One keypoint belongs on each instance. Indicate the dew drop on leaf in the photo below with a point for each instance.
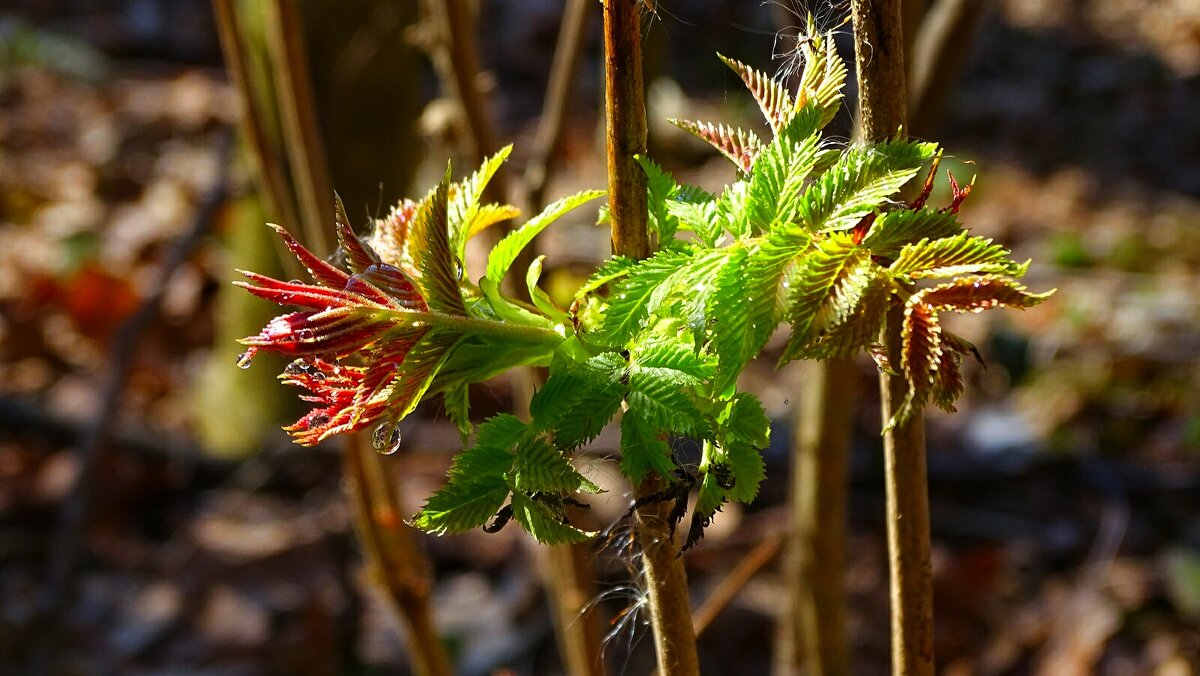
(243, 360)
(386, 438)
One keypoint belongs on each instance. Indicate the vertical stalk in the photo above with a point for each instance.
(393, 554)
(879, 45)
(625, 136)
(817, 631)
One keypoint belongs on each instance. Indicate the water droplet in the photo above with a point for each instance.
(785, 402)
(295, 281)
(458, 270)
(295, 368)
(243, 360)
(386, 438)
(306, 335)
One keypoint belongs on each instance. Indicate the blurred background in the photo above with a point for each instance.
(154, 519)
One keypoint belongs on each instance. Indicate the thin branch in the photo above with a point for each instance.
(395, 558)
(298, 114)
(563, 69)
(735, 581)
(625, 136)
(879, 45)
(938, 56)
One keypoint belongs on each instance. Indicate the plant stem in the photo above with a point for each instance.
(625, 127)
(879, 44)
(818, 502)
(392, 553)
(625, 136)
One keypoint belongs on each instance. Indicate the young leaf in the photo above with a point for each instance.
(856, 319)
(430, 247)
(613, 269)
(542, 300)
(859, 181)
(358, 256)
(464, 208)
(642, 451)
(894, 229)
(772, 97)
(950, 256)
(627, 306)
(824, 74)
(824, 288)
(503, 254)
(920, 352)
(476, 488)
(542, 468)
(740, 146)
(780, 171)
(457, 403)
(544, 524)
(978, 293)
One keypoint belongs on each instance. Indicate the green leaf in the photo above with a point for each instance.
(542, 300)
(476, 488)
(457, 401)
(502, 256)
(613, 269)
(749, 470)
(627, 306)
(660, 188)
(542, 468)
(430, 246)
(780, 171)
(856, 319)
(664, 398)
(700, 217)
(825, 287)
(862, 178)
(744, 420)
(672, 356)
(464, 205)
(642, 451)
(894, 229)
(417, 371)
(950, 256)
(544, 524)
(509, 311)
(824, 75)
(579, 399)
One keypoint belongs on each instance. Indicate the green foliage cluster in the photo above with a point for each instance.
(809, 235)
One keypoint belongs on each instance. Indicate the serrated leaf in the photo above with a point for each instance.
(894, 229)
(430, 246)
(709, 499)
(487, 216)
(920, 352)
(457, 403)
(948, 384)
(611, 270)
(642, 451)
(475, 489)
(824, 289)
(749, 470)
(359, 257)
(579, 399)
(660, 397)
(700, 217)
(859, 181)
(503, 254)
(740, 146)
(824, 75)
(627, 306)
(543, 524)
(855, 320)
(772, 96)
(542, 468)
(978, 293)
(660, 188)
(744, 420)
(464, 202)
(673, 356)
(950, 256)
(780, 171)
(415, 374)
